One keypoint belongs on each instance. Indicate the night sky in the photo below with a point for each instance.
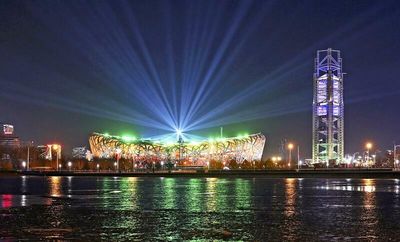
(69, 68)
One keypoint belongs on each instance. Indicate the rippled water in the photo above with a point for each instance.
(257, 209)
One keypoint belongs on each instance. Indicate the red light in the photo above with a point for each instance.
(6, 200)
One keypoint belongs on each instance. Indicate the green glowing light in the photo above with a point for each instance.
(242, 136)
(107, 134)
(127, 138)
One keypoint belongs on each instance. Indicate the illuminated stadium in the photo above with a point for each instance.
(240, 148)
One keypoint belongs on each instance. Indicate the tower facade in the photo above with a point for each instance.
(328, 108)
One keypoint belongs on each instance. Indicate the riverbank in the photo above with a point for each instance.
(9, 173)
(321, 173)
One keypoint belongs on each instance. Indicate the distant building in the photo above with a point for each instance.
(81, 153)
(50, 151)
(328, 108)
(7, 137)
(44, 152)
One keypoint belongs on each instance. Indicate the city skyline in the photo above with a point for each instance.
(66, 74)
(199, 120)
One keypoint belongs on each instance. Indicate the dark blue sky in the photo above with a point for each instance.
(69, 68)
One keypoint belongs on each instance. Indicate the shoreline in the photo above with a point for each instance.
(327, 173)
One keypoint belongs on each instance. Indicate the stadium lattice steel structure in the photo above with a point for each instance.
(248, 147)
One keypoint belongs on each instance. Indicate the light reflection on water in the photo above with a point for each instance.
(369, 216)
(211, 194)
(169, 193)
(290, 195)
(362, 185)
(201, 208)
(55, 186)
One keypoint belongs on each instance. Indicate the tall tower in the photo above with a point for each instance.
(328, 108)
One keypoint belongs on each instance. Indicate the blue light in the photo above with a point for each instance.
(183, 81)
(179, 132)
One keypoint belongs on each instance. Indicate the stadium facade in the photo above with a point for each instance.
(241, 148)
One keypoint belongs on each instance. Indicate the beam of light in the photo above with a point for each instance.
(138, 75)
(164, 137)
(270, 84)
(152, 76)
(153, 70)
(206, 87)
(192, 137)
(172, 137)
(170, 53)
(21, 93)
(178, 132)
(192, 68)
(45, 99)
(265, 83)
(159, 110)
(282, 106)
(216, 75)
(156, 95)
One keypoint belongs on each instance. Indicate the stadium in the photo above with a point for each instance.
(241, 148)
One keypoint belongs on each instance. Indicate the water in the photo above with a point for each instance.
(201, 209)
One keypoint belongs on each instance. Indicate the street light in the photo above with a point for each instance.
(27, 156)
(300, 163)
(24, 164)
(69, 165)
(290, 147)
(57, 148)
(368, 146)
(298, 158)
(274, 160)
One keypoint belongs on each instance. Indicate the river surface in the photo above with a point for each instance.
(199, 209)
